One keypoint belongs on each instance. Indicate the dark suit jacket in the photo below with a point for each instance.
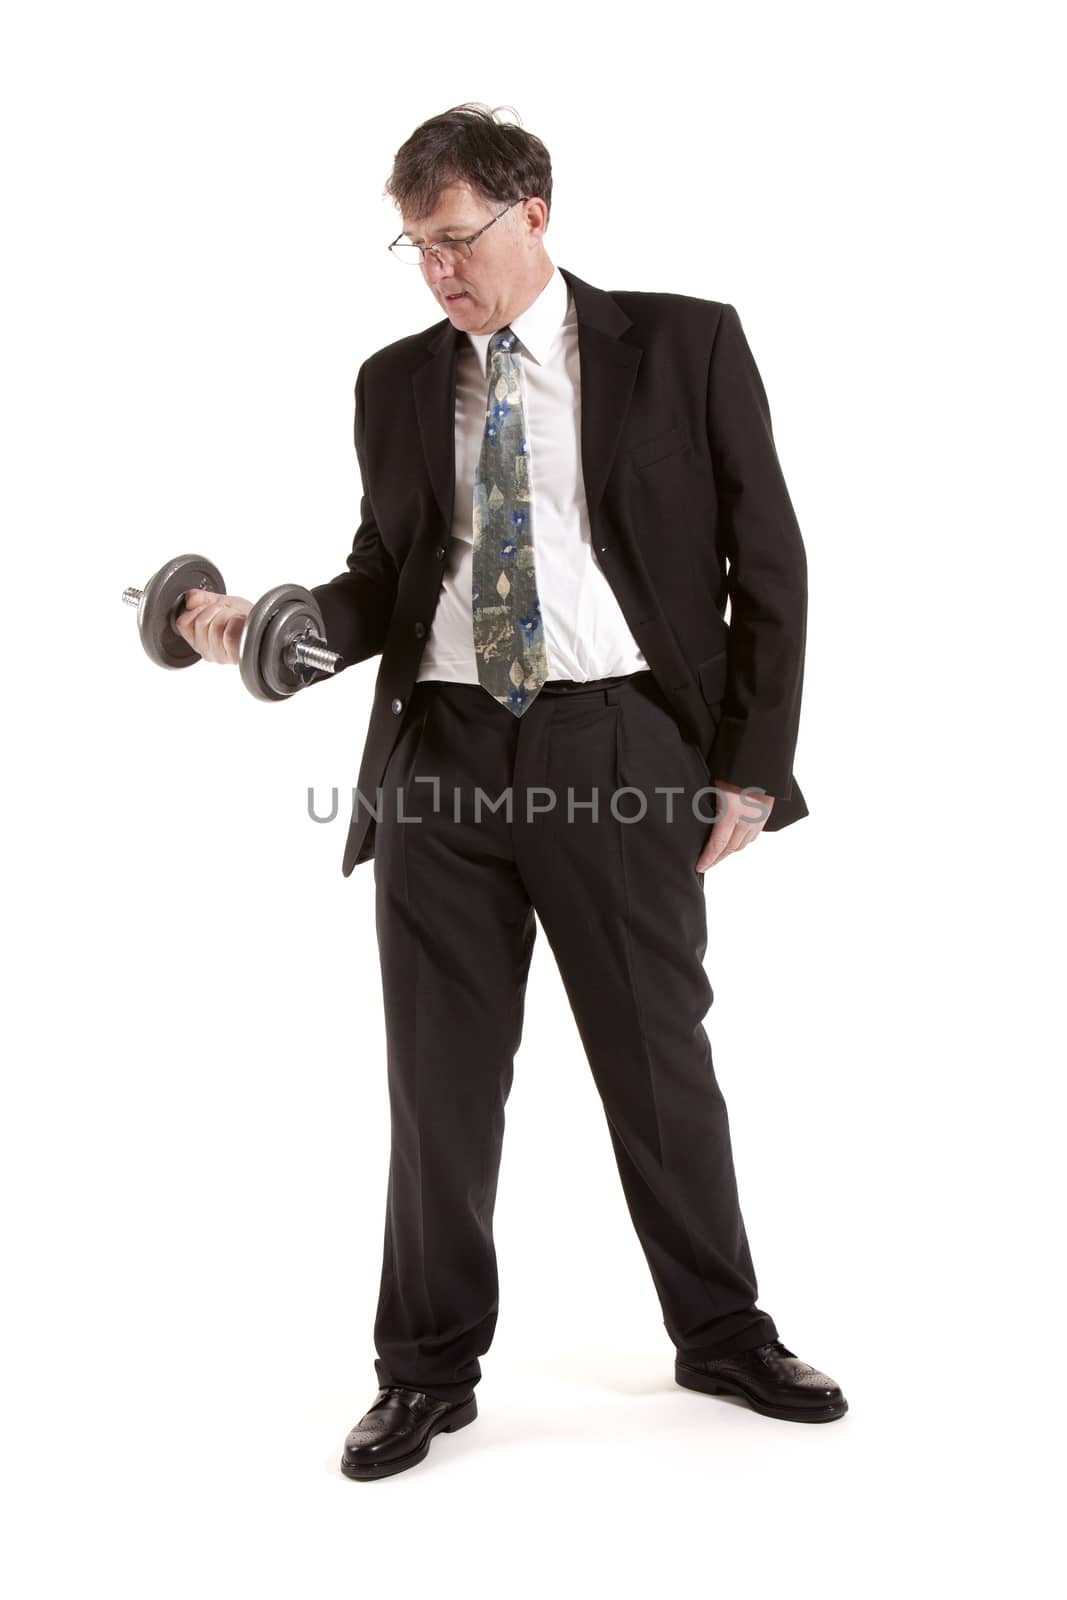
(687, 507)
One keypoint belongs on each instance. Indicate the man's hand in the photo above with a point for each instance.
(735, 826)
(212, 624)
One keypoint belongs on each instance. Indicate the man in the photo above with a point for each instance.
(562, 489)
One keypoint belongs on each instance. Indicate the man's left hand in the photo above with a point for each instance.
(737, 823)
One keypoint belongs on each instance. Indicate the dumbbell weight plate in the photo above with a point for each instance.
(274, 623)
(161, 602)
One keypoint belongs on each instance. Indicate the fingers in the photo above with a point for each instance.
(212, 625)
(720, 843)
(195, 622)
(730, 834)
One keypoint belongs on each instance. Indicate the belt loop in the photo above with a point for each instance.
(611, 696)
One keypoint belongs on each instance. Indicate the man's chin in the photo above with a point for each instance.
(463, 314)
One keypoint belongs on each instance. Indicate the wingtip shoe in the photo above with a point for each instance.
(396, 1431)
(770, 1378)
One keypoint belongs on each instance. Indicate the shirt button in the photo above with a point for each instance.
(398, 706)
(420, 629)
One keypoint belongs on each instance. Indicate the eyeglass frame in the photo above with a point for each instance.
(469, 242)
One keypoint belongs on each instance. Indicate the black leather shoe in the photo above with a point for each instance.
(772, 1381)
(396, 1432)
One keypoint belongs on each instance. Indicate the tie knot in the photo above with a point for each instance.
(504, 340)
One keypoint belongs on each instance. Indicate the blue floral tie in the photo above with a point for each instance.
(509, 638)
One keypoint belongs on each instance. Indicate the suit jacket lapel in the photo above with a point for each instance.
(608, 373)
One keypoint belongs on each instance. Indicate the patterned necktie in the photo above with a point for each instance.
(509, 637)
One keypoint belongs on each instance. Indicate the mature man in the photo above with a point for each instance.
(562, 489)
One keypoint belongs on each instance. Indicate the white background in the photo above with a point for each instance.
(195, 1122)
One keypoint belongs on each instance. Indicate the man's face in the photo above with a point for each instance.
(481, 293)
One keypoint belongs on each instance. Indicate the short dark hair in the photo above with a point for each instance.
(467, 143)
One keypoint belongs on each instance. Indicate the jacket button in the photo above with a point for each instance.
(440, 552)
(603, 547)
(420, 629)
(398, 706)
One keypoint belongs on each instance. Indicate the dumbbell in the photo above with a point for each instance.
(281, 642)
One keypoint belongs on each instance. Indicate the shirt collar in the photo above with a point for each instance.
(536, 327)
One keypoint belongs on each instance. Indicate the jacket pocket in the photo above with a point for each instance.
(664, 444)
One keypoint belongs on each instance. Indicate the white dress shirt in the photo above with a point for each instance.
(586, 634)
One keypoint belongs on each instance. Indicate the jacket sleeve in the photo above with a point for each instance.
(766, 575)
(358, 604)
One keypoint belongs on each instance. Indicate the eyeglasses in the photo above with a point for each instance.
(449, 251)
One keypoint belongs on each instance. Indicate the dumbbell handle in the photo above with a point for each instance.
(309, 652)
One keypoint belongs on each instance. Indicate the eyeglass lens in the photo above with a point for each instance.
(450, 251)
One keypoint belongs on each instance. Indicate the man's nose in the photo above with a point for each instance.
(434, 267)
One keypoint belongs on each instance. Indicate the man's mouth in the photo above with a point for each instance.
(452, 297)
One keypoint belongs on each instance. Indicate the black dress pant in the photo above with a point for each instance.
(458, 879)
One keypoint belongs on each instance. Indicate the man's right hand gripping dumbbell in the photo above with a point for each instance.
(211, 624)
(184, 615)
